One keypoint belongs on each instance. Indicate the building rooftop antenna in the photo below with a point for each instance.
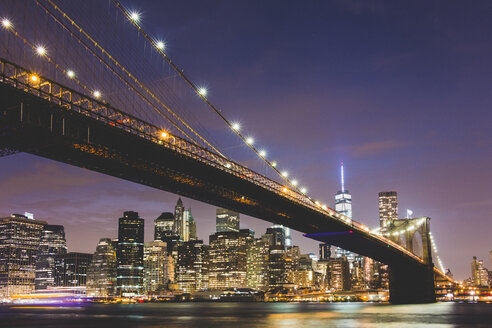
(343, 181)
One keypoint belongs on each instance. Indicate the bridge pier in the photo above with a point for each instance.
(410, 284)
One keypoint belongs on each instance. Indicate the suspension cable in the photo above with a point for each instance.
(131, 76)
(195, 88)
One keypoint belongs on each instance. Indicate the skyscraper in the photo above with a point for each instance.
(189, 226)
(287, 237)
(192, 266)
(274, 236)
(101, 274)
(130, 254)
(164, 226)
(226, 220)
(19, 242)
(343, 199)
(165, 230)
(178, 218)
(480, 275)
(343, 205)
(227, 259)
(71, 269)
(52, 243)
(277, 266)
(388, 207)
(257, 264)
(324, 251)
(157, 265)
(339, 274)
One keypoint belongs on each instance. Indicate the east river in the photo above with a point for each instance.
(251, 315)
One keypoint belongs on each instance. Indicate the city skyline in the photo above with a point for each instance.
(149, 232)
(397, 140)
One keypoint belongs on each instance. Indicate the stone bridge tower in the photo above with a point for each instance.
(409, 284)
(403, 231)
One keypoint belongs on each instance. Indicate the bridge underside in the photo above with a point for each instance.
(33, 125)
(409, 282)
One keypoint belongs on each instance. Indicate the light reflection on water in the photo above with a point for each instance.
(251, 315)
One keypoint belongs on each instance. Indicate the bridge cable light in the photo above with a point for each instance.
(6, 23)
(236, 126)
(97, 94)
(202, 91)
(41, 50)
(161, 45)
(250, 140)
(70, 74)
(135, 16)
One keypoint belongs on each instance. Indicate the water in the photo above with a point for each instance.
(251, 315)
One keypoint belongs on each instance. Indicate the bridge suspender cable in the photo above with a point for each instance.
(48, 58)
(200, 92)
(97, 45)
(434, 248)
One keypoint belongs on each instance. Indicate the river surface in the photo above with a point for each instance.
(251, 315)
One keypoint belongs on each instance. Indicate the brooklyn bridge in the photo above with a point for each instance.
(50, 110)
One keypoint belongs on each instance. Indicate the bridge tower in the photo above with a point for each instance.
(410, 284)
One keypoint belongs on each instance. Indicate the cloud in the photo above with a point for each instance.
(369, 148)
(476, 204)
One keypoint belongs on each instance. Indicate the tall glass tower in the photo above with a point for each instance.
(343, 199)
(130, 254)
(226, 220)
(343, 205)
(52, 243)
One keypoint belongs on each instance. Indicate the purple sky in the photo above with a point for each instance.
(399, 91)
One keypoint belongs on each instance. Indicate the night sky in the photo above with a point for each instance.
(398, 91)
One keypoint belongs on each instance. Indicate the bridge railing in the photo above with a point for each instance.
(30, 82)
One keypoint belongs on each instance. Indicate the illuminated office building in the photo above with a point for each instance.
(277, 266)
(101, 274)
(227, 259)
(192, 266)
(388, 207)
(157, 267)
(19, 242)
(287, 239)
(52, 243)
(71, 269)
(339, 274)
(480, 274)
(226, 220)
(274, 236)
(129, 255)
(324, 251)
(178, 219)
(189, 226)
(257, 265)
(164, 226)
